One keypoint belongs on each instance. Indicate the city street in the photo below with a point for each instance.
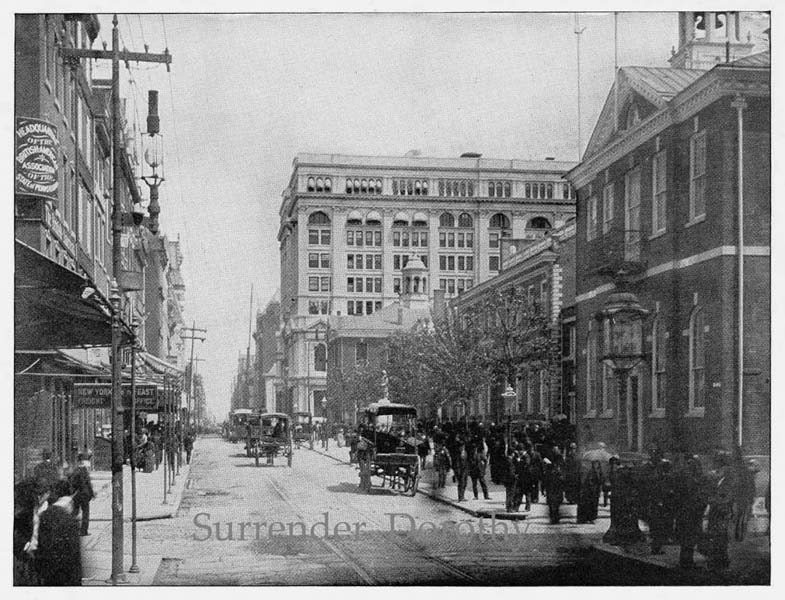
(225, 489)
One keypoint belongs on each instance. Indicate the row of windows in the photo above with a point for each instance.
(452, 286)
(448, 220)
(364, 261)
(409, 187)
(363, 186)
(465, 220)
(317, 184)
(401, 260)
(319, 237)
(457, 188)
(416, 238)
(318, 307)
(452, 262)
(370, 284)
(363, 237)
(359, 307)
(499, 189)
(659, 195)
(534, 392)
(453, 240)
(319, 284)
(318, 261)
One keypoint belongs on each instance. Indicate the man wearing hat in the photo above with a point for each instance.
(82, 490)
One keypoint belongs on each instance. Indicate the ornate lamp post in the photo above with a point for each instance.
(621, 319)
(154, 158)
(509, 396)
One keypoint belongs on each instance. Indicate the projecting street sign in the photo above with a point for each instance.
(99, 395)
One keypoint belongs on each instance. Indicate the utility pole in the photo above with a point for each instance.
(118, 456)
(194, 330)
(197, 407)
(248, 354)
(578, 32)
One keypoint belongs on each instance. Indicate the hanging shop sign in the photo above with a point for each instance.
(99, 395)
(36, 163)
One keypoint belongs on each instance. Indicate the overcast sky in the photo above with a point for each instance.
(248, 92)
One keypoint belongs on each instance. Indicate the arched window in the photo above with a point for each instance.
(417, 188)
(441, 187)
(420, 220)
(565, 191)
(446, 220)
(364, 186)
(320, 358)
(311, 184)
(401, 220)
(499, 190)
(528, 190)
(378, 186)
(658, 356)
(465, 220)
(535, 191)
(373, 218)
(424, 188)
(499, 221)
(395, 187)
(539, 223)
(697, 360)
(549, 191)
(507, 190)
(319, 184)
(463, 188)
(357, 186)
(471, 189)
(318, 218)
(542, 190)
(328, 185)
(349, 186)
(409, 188)
(456, 188)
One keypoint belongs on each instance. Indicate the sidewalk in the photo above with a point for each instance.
(750, 559)
(97, 547)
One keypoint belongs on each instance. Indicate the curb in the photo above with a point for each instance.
(477, 513)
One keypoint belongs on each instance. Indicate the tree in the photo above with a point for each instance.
(351, 388)
(408, 381)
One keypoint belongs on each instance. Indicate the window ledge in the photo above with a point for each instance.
(654, 236)
(658, 413)
(590, 414)
(695, 221)
(607, 414)
(695, 412)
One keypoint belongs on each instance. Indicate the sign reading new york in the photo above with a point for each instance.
(35, 172)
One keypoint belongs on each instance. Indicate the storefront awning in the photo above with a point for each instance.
(159, 365)
(49, 311)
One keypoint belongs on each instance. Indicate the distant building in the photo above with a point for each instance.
(658, 191)
(267, 325)
(349, 225)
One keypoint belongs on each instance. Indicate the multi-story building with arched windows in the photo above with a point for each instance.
(349, 225)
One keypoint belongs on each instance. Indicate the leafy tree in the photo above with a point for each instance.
(352, 388)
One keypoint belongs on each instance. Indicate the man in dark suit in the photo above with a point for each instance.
(82, 490)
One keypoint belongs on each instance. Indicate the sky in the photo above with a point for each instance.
(247, 92)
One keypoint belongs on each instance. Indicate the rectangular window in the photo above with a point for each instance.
(358, 307)
(358, 284)
(450, 263)
(377, 285)
(368, 307)
(325, 237)
(350, 238)
(369, 238)
(632, 216)
(461, 286)
(313, 307)
(442, 262)
(369, 284)
(451, 240)
(659, 194)
(442, 239)
(607, 208)
(697, 360)
(470, 240)
(377, 305)
(377, 238)
(450, 286)
(350, 284)
(358, 238)
(461, 240)
(350, 261)
(358, 261)
(405, 239)
(313, 260)
(313, 284)
(350, 307)
(469, 284)
(493, 263)
(591, 218)
(442, 284)
(313, 237)
(324, 306)
(396, 262)
(396, 285)
(698, 175)
(325, 284)
(324, 259)
(461, 263)
(658, 351)
(415, 239)
(493, 240)
(377, 262)
(423, 239)
(396, 238)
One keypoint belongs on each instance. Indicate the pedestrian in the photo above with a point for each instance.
(423, 449)
(511, 479)
(723, 491)
(478, 463)
(572, 475)
(554, 484)
(45, 473)
(441, 464)
(188, 444)
(692, 498)
(589, 494)
(460, 467)
(522, 478)
(82, 489)
(58, 550)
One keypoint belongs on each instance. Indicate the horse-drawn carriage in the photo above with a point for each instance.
(303, 429)
(269, 435)
(387, 447)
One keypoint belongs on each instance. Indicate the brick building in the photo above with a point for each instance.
(658, 197)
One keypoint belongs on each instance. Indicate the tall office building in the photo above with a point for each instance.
(349, 224)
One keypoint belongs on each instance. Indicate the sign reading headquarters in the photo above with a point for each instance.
(36, 158)
(99, 395)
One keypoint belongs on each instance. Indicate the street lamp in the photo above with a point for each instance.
(621, 320)
(509, 395)
(154, 158)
